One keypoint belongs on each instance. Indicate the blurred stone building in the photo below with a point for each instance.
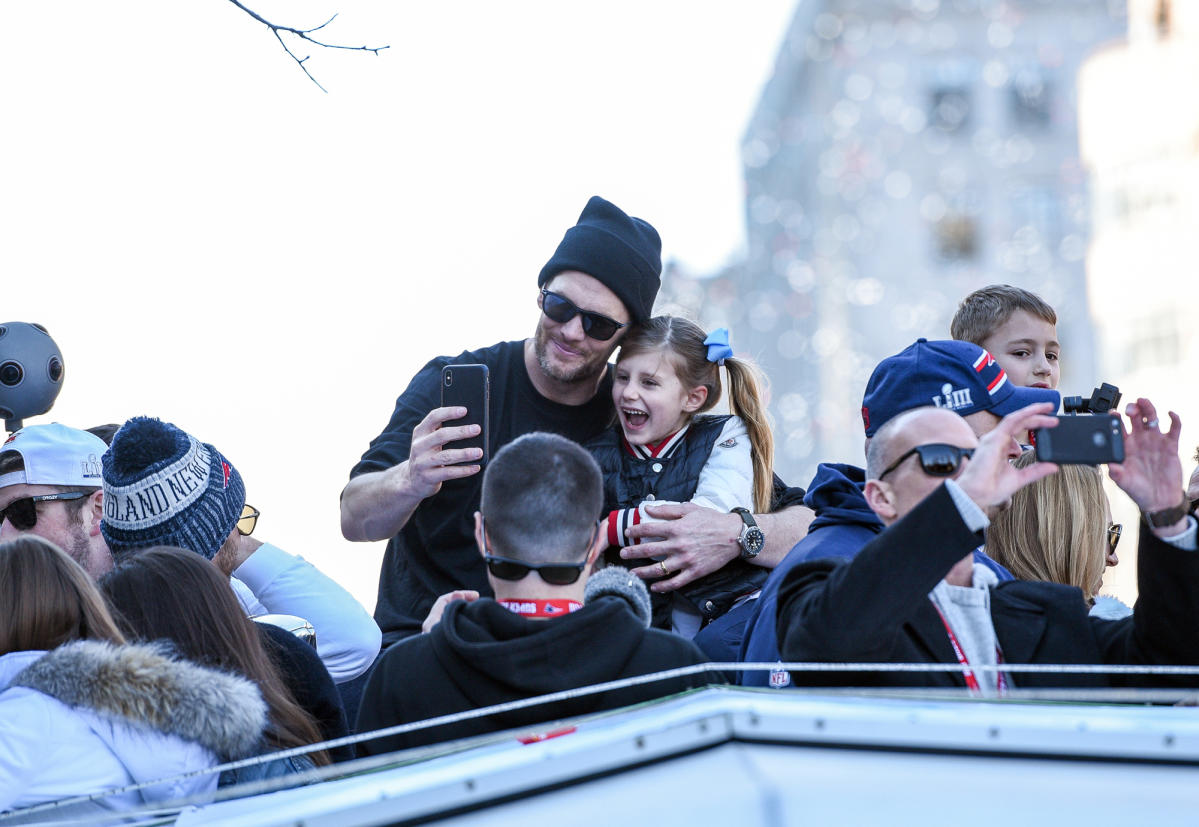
(1139, 130)
(904, 153)
(1139, 134)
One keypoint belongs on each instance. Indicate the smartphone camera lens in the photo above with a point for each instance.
(449, 378)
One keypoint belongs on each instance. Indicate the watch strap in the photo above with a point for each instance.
(1167, 516)
(746, 516)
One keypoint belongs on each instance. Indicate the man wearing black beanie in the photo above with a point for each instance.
(409, 487)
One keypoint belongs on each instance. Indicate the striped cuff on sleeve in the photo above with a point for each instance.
(619, 522)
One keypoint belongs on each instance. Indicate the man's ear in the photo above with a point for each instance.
(598, 545)
(696, 397)
(93, 512)
(881, 499)
(480, 540)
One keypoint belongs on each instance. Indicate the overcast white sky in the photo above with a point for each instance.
(212, 240)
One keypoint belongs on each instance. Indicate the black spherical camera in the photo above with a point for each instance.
(1103, 399)
(31, 372)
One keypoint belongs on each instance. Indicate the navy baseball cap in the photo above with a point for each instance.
(959, 376)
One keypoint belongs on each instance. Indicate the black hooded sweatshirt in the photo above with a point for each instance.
(482, 654)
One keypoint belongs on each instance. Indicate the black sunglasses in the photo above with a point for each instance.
(562, 310)
(1114, 530)
(556, 574)
(22, 513)
(937, 459)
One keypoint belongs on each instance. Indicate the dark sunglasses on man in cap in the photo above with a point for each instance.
(561, 310)
(22, 513)
(936, 459)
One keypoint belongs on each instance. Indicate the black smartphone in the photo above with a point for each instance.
(1083, 439)
(469, 387)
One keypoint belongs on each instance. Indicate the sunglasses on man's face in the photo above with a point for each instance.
(936, 459)
(22, 513)
(561, 310)
(556, 574)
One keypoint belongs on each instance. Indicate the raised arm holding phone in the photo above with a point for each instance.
(907, 597)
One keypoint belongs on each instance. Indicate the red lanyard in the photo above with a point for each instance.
(968, 674)
(541, 608)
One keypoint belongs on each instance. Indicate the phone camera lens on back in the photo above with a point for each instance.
(449, 378)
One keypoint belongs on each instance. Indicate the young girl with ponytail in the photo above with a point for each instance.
(666, 449)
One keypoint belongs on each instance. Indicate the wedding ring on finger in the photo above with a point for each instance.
(662, 565)
(1152, 423)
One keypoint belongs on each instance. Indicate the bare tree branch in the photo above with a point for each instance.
(304, 34)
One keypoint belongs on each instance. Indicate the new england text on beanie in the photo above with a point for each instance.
(162, 486)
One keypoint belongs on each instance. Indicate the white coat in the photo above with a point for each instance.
(89, 717)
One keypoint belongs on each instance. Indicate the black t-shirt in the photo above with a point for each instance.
(435, 551)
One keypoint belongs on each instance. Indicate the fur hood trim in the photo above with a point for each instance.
(142, 686)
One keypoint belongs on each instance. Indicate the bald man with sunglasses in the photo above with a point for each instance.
(417, 488)
(551, 626)
(915, 594)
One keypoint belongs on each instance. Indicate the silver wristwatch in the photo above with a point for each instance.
(752, 537)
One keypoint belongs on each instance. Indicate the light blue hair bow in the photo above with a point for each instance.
(720, 347)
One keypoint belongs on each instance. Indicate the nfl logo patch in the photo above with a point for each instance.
(779, 678)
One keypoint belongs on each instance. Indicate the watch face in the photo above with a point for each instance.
(752, 540)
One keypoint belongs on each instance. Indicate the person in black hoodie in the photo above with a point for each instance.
(548, 628)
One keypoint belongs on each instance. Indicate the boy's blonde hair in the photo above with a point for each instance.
(982, 312)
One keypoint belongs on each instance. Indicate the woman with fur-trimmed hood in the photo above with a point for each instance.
(83, 712)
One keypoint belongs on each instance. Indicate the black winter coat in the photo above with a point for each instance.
(875, 608)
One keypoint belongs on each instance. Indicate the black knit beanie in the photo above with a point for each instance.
(623, 253)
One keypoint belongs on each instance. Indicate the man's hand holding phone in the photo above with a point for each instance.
(431, 461)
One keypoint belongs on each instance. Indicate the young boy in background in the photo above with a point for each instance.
(1017, 327)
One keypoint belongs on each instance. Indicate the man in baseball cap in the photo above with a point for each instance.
(957, 376)
(50, 485)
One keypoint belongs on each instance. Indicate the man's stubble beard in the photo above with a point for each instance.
(79, 549)
(586, 372)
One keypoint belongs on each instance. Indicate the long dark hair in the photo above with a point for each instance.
(683, 340)
(48, 599)
(169, 593)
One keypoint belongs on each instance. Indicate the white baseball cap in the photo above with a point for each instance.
(55, 455)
